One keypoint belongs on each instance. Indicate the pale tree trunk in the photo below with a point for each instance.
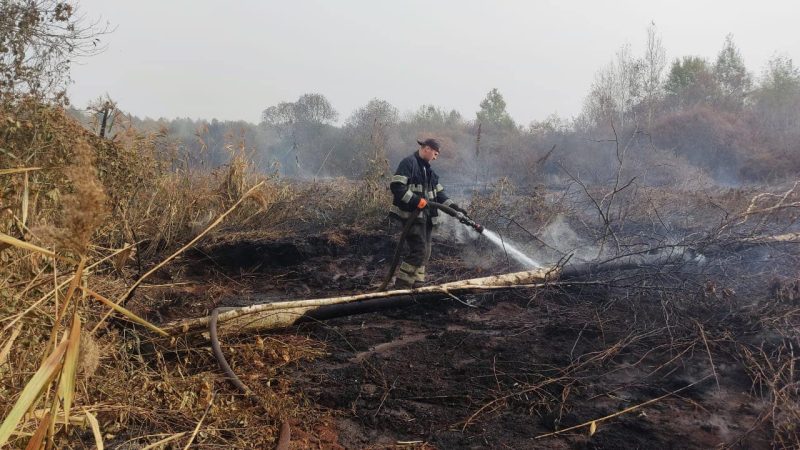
(283, 314)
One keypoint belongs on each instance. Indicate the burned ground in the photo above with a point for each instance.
(498, 376)
(693, 352)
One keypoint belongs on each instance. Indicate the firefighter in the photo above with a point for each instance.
(413, 185)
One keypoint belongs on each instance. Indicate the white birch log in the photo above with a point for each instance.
(283, 314)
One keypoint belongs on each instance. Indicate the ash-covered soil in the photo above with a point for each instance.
(488, 371)
(496, 376)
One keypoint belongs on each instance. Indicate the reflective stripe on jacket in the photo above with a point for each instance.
(413, 180)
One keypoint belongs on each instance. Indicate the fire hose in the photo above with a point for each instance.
(285, 431)
(463, 218)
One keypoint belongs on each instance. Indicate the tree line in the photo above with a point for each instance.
(693, 118)
(690, 119)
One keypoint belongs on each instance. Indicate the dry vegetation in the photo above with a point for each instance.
(82, 219)
(673, 288)
(85, 220)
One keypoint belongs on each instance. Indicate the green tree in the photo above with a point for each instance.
(430, 116)
(730, 72)
(691, 81)
(781, 76)
(777, 100)
(493, 111)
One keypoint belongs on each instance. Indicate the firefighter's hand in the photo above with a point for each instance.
(460, 216)
(422, 203)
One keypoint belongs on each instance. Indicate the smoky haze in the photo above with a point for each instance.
(346, 92)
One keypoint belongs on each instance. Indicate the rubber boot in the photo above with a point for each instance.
(402, 284)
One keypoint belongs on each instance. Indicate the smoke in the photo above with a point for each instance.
(452, 230)
(511, 250)
(561, 237)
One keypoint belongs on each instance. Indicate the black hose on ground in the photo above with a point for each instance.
(285, 433)
(409, 222)
(223, 363)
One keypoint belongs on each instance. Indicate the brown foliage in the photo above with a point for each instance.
(711, 139)
(89, 194)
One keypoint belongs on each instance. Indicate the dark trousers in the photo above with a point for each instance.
(412, 270)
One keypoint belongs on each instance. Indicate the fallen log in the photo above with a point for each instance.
(284, 314)
(786, 237)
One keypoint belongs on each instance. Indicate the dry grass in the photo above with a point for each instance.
(76, 213)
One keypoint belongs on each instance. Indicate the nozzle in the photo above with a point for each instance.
(463, 218)
(467, 221)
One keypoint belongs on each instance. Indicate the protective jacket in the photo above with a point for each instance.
(413, 180)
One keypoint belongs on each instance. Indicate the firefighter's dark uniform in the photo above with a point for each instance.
(413, 180)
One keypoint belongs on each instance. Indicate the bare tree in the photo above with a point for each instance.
(617, 89)
(309, 108)
(627, 88)
(104, 111)
(655, 61)
(370, 129)
(38, 41)
(302, 123)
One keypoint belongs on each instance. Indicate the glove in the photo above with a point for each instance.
(458, 209)
(460, 216)
(422, 203)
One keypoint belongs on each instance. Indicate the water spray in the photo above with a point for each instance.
(512, 251)
(463, 218)
(494, 238)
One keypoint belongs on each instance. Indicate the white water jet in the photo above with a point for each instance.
(511, 251)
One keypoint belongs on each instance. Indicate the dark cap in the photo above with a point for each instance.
(432, 143)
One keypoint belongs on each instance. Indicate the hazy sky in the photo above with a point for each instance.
(231, 59)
